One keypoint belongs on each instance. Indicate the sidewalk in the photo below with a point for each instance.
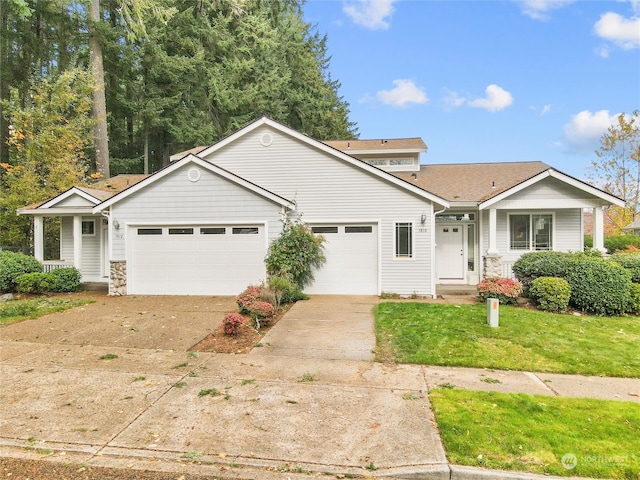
(285, 407)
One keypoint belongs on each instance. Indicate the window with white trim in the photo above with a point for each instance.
(88, 227)
(404, 240)
(531, 231)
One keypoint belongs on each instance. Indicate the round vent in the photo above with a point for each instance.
(193, 174)
(266, 139)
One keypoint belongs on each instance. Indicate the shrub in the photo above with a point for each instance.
(630, 261)
(248, 298)
(35, 283)
(284, 290)
(262, 310)
(12, 265)
(66, 280)
(506, 290)
(619, 243)
(599, 286)
(634, 299)
(295, 254)
(551, 294)
(231, 323)
(533, 265)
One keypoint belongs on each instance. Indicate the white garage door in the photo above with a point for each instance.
(195, 260)
(352, 260)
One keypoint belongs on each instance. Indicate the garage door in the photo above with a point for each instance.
(352, 260)
(195, 260)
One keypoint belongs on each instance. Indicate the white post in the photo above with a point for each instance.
(493, 229)
(38, 238)
(598, 229)
(77, 242)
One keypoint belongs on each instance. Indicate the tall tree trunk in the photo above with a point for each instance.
(99, 102)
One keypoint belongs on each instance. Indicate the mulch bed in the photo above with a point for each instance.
(246, 338)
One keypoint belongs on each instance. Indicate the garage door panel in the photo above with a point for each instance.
(215, 263)
(352, 260)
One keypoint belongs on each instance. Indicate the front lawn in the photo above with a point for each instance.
(529, 340)
(14, 311)
(539, 434)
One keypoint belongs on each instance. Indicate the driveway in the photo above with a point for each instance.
(112, 384)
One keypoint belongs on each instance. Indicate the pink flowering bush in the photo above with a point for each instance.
(231, 323)
(506, 290)
(247, 298)
(262, 310)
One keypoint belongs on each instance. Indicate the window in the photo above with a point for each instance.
(88, 227)
(181, 231)
(213, 231)
(359, 229)
(149, 231)
(531, 232)
(404, 240)
(245, 230)
(324, 229)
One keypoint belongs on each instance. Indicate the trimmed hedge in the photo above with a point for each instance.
(12, 265)
(533, 265)
(634, 302)
(66, 279)
(599, 286)
(630, 261)
(621, 242)
(506, 290)
(35, 283)
(551, 294)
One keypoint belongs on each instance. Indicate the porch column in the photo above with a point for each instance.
(38, 238)
(598, 229)
(493, 229)
(77, 242)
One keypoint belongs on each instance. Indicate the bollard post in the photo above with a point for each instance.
(493, 312)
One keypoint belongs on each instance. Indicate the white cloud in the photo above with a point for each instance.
(546, 109)
(584, 130)
(541, 9)
(373, 14)
(496, 99)
(452, 99)
(623, 32)
(405, 92)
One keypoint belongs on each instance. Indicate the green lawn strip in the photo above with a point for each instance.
(533, 433)
(530, 340)
(14, 311)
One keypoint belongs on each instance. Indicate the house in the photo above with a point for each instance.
(633, 228)
(203, 224)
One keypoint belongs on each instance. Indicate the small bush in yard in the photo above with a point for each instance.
(12, 265)
(231, 323)
(599, 286)
(66, 280)
(35, 283)
(533, 265)
(506, 290)
(262, 310)
(551, 294)
(248, 298)
(630, 261)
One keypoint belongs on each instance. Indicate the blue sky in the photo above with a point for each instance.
(486, 81)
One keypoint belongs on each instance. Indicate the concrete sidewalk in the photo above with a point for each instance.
(299, 403)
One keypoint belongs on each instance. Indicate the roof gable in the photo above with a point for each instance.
(318, 145)
(204, 164)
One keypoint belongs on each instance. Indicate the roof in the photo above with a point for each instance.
(384, 144)
(472, 182)
(193, 151)
(635, 225)
(118, 183)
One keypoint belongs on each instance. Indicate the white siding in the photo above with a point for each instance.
(549, 193)
(91, 256)
(175, 200)
(327, 189)
(74, 201)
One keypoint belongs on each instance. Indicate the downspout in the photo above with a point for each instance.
(433, 251)
(107, 215)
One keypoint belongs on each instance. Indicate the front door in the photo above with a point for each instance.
(450, 252)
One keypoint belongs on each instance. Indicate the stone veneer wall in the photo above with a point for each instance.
(492, 266)
(118, 278)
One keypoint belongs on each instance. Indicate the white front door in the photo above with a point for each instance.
(450, 252)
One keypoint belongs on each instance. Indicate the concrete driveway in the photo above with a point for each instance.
(112, 383)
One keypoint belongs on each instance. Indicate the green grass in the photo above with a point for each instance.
(14, 311)
(529, 340)
(533, 433)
